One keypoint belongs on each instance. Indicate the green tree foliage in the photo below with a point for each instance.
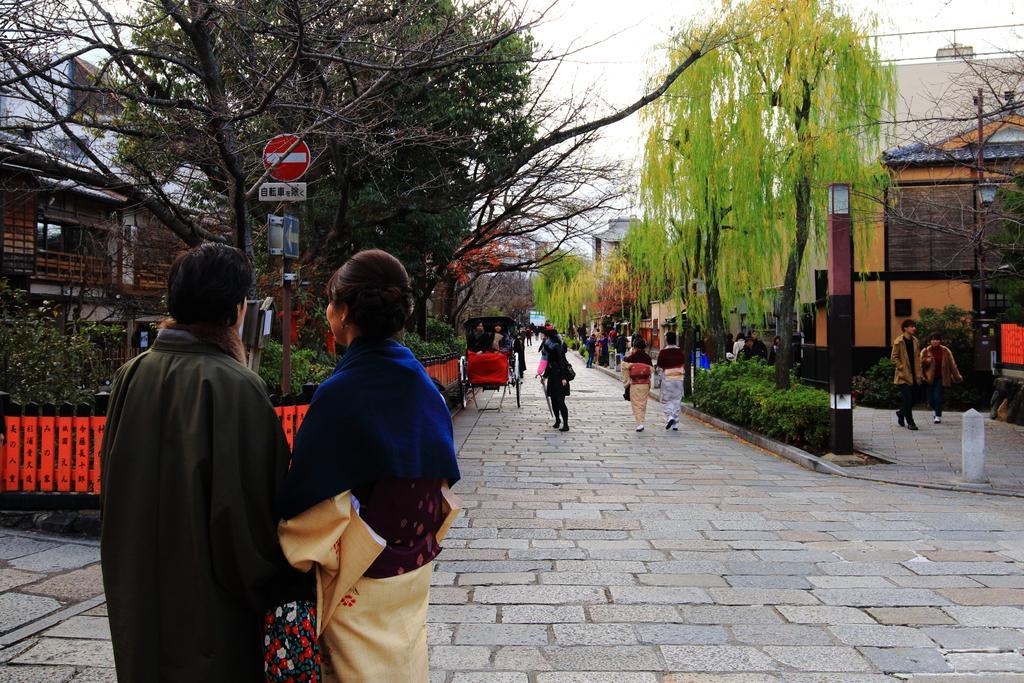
(562, 287)
(749, 148)
(1010, 242)
(40, 363)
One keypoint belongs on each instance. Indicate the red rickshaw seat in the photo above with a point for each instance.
(487, 368)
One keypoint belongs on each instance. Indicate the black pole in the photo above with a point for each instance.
(840, 320)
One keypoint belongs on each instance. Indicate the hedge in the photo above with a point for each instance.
(744, 393)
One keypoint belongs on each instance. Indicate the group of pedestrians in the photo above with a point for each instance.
(221, 560)
(750, 347)
(933, 368)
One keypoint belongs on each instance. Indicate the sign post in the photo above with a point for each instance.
(840, 319)
(286, 158)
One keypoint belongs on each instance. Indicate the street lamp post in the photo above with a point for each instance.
(985, 195)
(840, 319)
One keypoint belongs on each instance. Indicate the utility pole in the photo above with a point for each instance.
(979, 253)
(840, 319)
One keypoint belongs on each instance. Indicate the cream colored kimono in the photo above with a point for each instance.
(371, 630)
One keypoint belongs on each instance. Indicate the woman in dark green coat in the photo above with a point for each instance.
(193, 455)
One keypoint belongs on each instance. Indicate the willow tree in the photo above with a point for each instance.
(794, 103)
(562, 287)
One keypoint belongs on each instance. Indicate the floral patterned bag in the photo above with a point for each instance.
(291, 653)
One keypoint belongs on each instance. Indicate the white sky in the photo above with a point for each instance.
(626, 33)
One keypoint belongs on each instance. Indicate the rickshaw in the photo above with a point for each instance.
(485, 369)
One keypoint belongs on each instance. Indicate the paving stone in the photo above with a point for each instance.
(772, 568)
(597, 677)
(849, 582)
(12, 578)
(459, 657)
(96, 628)
(915, 581)
(490, 677)
(966, 678)
(68, 652)
(518, 658)
(462, 614)
(594, 634)
(824, 615)
(95, 676)
(440, 634)
(695, 580)
(916, 616)
(501, 634)
(542, 614)
(761, 596)
(681, 634)
(986, 661)
(541, 595)
(673, 595)
(57, 559)
(722, 614)
(999, 617)
(633, 613)
(36, 674)
(879, 597)
(778, 581)
(729, 658)
(818, 658)
(19, 546)
(587, 579)
(863, 569)
(796, 556)
(977, 638)
(961, 568)
(17, 609)
(880, 636)
(984, 596)
(788, 634)
(907, 660)
(604, 658)
(496, 579)
(720, 678)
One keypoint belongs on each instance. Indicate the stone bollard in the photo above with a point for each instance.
(972, 447)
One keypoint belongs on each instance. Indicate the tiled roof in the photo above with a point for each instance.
(920, 153)
(616, 231)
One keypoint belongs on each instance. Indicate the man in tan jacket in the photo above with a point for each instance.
(906, 355)
(940, 372)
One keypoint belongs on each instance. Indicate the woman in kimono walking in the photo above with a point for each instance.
(636, 372)
(366, 502)
(672, 363)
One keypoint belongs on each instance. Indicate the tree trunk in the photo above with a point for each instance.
(784, 359)
(688, 341)
(716, 317)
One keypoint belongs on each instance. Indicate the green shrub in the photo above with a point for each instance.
(40, 362)
(875, 388)
(308, 367)
(744, 393)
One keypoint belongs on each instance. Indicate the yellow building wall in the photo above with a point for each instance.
(930, 294)
(869, 314)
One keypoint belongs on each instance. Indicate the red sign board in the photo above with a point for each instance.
(286, 157)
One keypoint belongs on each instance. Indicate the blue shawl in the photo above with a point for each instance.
(379, 416)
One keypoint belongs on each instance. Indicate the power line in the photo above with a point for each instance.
(949, 30)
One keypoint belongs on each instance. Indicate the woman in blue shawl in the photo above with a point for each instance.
(367, 502)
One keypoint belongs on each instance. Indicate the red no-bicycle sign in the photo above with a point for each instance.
(291, 159)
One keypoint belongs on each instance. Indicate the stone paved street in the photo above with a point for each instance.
(605, 556)
(932, 454)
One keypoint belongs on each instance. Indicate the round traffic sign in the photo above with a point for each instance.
(286, 157)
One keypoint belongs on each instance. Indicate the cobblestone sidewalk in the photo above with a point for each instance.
(605, 556)
(932, 454)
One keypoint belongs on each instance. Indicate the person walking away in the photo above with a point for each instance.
(602, 350)
(940, 372)
(529, 336)
(906, 356)
(621, 348)
(672, 362)
(636, 372)
(367, 501)
(519, 347)
(591, 350)
(760, 350)
(774, 351)
(192, 457)
(738, 345)
(556, 378)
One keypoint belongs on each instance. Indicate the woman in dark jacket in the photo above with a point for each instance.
(557, 385)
